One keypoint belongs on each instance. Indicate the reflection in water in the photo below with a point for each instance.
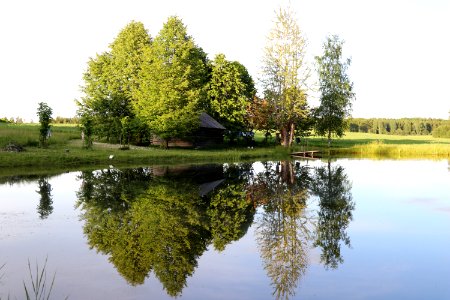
(333, 188)
(45, 207)
(162, 219)
(284, 228)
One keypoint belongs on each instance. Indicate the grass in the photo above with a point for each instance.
(65, 150)
(381, 145)
(27, 135)
(71, 155)
(39, 288)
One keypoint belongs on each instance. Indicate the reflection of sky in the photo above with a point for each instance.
(400, 236)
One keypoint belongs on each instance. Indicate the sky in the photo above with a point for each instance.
(400, 49)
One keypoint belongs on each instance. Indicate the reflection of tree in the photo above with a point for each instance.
(161, 220)
(333, 188)
(284, 228)
(105, 197)
(231, 214)
(161, 223)
(45, 207)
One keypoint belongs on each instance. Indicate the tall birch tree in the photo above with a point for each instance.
(336, 90)
(285, 73)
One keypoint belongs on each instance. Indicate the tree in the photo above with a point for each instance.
(86, 126)
(336, 90)
(230, 91)
(44, 113)
(261, 116)
(172, 82)
(285, 74)
(110, 80)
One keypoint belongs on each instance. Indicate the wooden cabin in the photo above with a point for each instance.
(209, 133)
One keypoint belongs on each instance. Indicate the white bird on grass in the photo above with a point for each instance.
(111, 156)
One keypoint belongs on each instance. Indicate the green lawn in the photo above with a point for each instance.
(383, 145)
(65, 150)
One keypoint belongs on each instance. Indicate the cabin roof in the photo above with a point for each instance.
(206, 121)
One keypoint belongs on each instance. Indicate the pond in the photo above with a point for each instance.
(311, 229)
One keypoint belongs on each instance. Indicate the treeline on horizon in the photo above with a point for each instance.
(57, 120)
(402, 126)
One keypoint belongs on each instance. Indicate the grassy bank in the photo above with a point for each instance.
(72, 155)
(384, 146)
(65, 151)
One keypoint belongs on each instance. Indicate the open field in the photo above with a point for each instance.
(65, 150)
(382, 145)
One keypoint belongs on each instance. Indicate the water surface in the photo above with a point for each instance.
(346, 229)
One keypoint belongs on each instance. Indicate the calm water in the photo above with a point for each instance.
(346, 229)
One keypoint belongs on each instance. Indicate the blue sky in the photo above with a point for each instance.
(399, 48)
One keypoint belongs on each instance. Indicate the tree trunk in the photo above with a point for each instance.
(284, 136)
(291, 135)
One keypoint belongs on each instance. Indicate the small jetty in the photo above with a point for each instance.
(307, 154)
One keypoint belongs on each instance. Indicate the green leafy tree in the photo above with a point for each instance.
(285, 73)
(231, 89)
(336, 90)
(172, 83)
(87, 127)
(44, 113)
(110, 80)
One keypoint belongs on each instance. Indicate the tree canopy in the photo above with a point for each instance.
(285, 73)
(44, 112)
(336, 90)
(230, 92)
(110, 80)
(172, 82)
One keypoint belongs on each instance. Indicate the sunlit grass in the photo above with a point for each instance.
(27, 135)
(383, 145)
(65, 149)
(72, 154)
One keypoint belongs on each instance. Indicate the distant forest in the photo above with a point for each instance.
(404, 126)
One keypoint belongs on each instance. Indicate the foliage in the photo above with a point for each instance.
(110, 81)
(172, 82)
(442, 131)
(336, 90)
(261, 116)
(285, 74)
(403, 126)
(44, 113)
(230, 91)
